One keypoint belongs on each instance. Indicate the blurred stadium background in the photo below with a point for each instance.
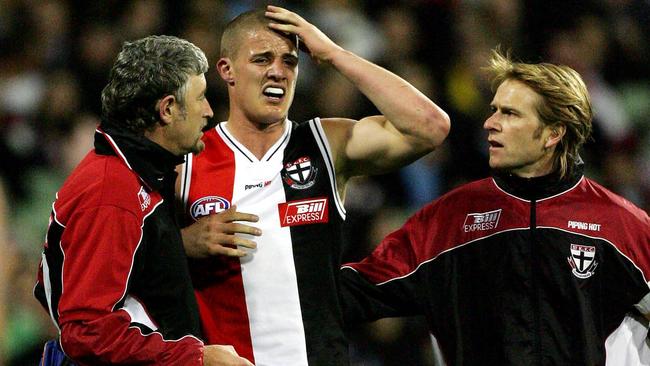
(55, 56)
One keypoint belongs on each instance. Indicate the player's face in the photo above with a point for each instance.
(265, 69)
(190, 120)
(516, 135)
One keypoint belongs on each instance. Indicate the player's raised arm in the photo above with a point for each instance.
(410, 126)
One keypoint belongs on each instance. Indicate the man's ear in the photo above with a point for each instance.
(554, 138)
(165, 109)
(224, 67)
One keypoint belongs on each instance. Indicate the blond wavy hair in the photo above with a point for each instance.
(565, 102)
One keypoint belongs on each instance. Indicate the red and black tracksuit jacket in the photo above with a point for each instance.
(514, 271)
(113, 274)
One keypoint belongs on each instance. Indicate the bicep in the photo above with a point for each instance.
(370, 146)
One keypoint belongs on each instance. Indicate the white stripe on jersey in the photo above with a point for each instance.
(323, 145)
(269, 276)
(186, 178)
(138, 313)
(47, 284)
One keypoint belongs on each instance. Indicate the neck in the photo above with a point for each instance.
(158, 136)
(257, 137)
(541, 168)
(535, 187)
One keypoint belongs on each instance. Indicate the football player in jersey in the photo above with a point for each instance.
(278, 304)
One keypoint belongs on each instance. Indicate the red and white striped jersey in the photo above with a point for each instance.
(278, 305)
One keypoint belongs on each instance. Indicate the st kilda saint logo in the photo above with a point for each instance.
(300, 174)
(582, 260)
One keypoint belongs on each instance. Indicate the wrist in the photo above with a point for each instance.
(336, 56)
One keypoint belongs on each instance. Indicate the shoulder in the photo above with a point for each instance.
(466, 197)
(335, 132)
(470, 192)
(336, 127)
(101, 180)
(216, 148)
(212, 136)
(608, 201)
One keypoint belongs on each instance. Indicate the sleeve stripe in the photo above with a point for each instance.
(323, 145)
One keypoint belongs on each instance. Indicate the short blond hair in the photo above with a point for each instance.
(236, 30)
(565, 102)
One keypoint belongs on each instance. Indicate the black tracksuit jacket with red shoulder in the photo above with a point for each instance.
(513, 271)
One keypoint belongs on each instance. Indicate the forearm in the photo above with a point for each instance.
(413, 114)
(111, 339)
(363, 301)
(410, 111)
(101, 320)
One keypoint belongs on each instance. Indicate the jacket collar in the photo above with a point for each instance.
(151, 162)
(538, 187)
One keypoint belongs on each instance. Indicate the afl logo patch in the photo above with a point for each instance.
(208, 205)
(300, 174)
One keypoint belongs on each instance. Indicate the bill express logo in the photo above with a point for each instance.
(482, 221)
(303, 212)
(208, 205)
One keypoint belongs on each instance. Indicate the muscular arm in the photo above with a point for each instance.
(411, 124)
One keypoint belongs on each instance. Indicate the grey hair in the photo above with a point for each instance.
(147, 70)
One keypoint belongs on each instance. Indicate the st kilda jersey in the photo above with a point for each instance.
(514, 271)
(279, 304)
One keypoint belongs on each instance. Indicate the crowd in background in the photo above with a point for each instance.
(54, 61)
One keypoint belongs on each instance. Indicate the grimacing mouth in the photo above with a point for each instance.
(274, 91)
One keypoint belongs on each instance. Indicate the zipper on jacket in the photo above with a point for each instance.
(535, 269)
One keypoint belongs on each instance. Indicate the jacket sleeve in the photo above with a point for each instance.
(386, 283)
(99, 247)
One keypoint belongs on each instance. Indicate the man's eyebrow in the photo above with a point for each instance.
(265, 53)
(506, 108)
(269, 54)
(511, 109)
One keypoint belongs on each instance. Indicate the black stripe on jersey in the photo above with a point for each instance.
(233, 142)
(280, 144)
(316, 254)
(326, 157)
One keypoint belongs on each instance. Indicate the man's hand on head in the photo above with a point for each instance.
(315, 42)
